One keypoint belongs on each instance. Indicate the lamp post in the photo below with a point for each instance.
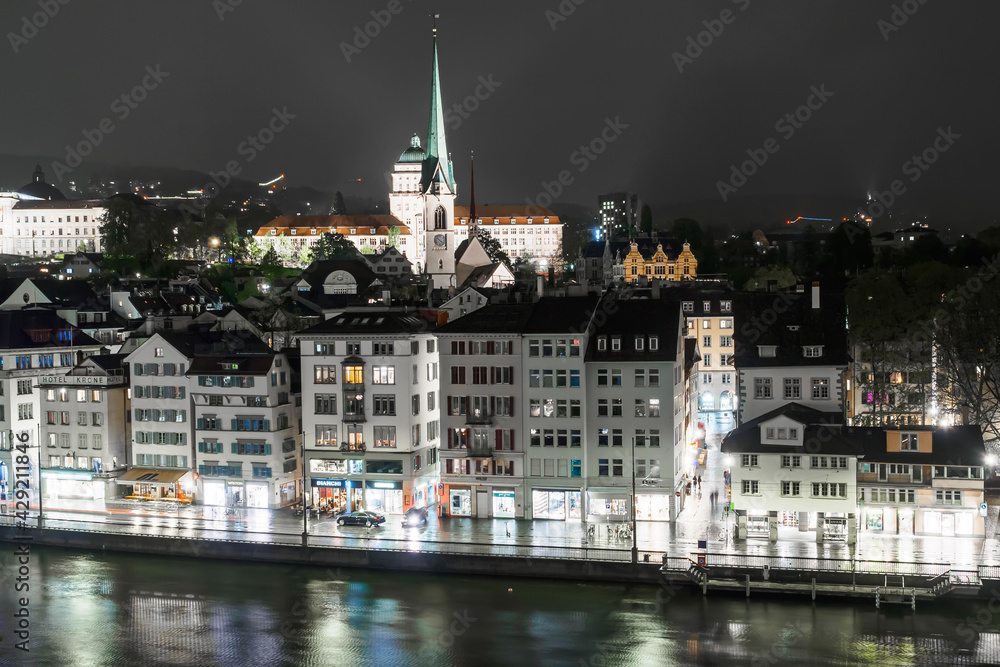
(635, 512)
(305, 508)
(214, 242)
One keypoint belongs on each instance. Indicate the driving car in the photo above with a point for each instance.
(361, 518)
(415, 516)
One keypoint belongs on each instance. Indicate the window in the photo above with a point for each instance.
(748, 460)
(654, 343)
(616, 343)
(793, 388)
(706, 341)
(602, 343)
(325, 374)
(812, 351)
(326, 404)
(725, 341)
(616, 377)
(726, 306)
(616, 407)
(384, 404)
(602, 467)
(24, 410)
(602, 407)
(617, 469)
(788, 461)
(820, 388)
(829, 490)
(602, 377)
(767, 350)
(576, 468)
(947, 497)
(383, 375)
(687, 306)
(789, 488)
(23, 386)
(574, 378)
(383, 349)
(640, 407)
(385, 436)
(908, 442)
(751, 487)
(654, 407)
(762, 388)
(654, 377)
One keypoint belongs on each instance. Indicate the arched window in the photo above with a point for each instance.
(440, 221)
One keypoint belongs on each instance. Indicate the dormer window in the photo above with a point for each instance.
(602, 343)
(654, 343)
(616, 343)
(707, 306)
(293, 232)
(812, 351)
(638, 343)
(726, 306)
(765, 351)
(688, 306)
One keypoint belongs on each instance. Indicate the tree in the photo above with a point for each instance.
(393, 237)
(848, 250)
(332, 245)
(338, 207)
(492, 247)
(271, 259)
(117, 225)
(646, 220)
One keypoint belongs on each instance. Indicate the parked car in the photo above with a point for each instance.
(362, 518)
(415, 516)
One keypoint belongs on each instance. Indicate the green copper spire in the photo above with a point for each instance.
(437, 161)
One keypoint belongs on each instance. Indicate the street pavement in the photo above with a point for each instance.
(701, 519)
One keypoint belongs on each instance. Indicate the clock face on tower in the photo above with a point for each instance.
(440, 240)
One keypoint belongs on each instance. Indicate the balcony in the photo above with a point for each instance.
(356, 447)
(478, 416)
(354, 417)
(480, 451)
(262, 473)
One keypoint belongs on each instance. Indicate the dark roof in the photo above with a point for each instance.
(39, 189)
(372, 321)
(498, 319)
(15, 325)
(952, 445)
(317, 272)
(822, 433)
(788, 321)
(108, 362)
(691, 354)
(215, 343)
(569, 314)
(629, 319)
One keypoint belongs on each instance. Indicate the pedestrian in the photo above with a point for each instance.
(699, 481)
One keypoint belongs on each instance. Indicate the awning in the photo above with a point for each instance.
(152, 476)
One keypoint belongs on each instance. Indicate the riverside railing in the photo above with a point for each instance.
(367, 541)
(757, 562)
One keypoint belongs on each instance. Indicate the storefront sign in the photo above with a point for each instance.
(384, 485)
(335, 483)
(68, 474)
(230, 482)
(503, 494)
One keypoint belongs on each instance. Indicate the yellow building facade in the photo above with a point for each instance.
(659, 266)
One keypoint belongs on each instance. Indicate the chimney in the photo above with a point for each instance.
(656, 289)
(539, 286)
(815, 295)
(800, 289)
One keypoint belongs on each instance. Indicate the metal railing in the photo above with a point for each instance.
(747, 561)
(317, 540)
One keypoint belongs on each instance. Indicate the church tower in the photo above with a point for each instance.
(437, 186)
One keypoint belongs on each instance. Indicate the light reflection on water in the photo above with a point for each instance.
(116, 609)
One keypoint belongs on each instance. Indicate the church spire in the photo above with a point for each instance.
(437, 161)
(473, 221)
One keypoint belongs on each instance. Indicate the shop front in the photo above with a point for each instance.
(157, 484)
(758, 524)
(949, 524)
(289, 493)
(71, 484)
(652, 506)
(258, 494)
(504, 504)
(607, 505)
(384, 497)
(341, 495)
(424, 492)
(556, 504)
(459, 500)
(4, 488)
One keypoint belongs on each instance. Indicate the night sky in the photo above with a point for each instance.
(557, 88)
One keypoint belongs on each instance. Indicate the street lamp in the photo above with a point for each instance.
(214, 242)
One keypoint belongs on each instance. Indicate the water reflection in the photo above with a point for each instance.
(120, 609)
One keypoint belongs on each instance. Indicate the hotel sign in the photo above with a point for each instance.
(75, 379)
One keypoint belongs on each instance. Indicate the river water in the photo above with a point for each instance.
(117, 609)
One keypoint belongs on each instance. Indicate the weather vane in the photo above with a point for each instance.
(435, 18)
